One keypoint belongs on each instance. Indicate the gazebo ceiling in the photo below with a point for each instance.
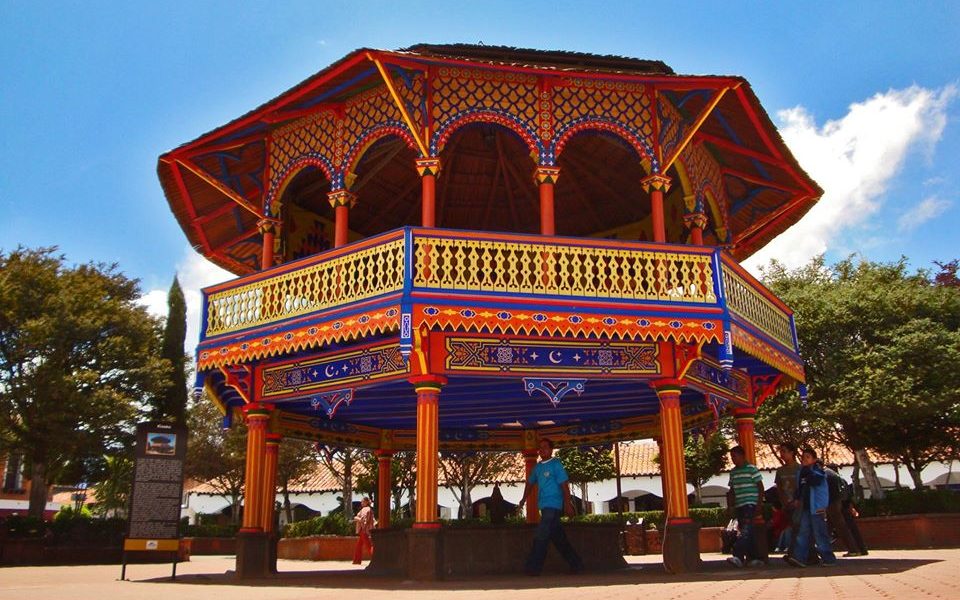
(219, 184)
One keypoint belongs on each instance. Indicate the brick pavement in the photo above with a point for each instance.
(925, 574)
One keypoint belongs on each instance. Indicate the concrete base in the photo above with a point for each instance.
(681, 547)
(760, 546)
(253, 554)
(456, 552)
(425, 551)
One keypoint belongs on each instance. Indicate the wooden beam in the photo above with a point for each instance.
(235, 239)
(403, 109)
(701, 118)
(731, 146)
(219, 212)
(368, 176)
(758, 181)
(223, 189)
(572, 180)
(188, 204)
(501, 157)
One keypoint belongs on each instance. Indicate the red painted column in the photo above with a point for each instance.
(428, 448)
(656, 185)
(671, 459)
(529, 462)
(695, 222)
(270, 482)
(341, 201)
(429, 170)
(269, 229)
(257, 418)
(546, 177)
(744, 418)
(384, 465)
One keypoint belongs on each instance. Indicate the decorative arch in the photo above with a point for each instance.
(374, 134)
(291, 170)
(718, 213)
(633, 138)
(495, 117)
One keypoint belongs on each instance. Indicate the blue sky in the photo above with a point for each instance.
(91, 93)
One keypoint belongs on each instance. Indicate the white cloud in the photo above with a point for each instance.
(853, 159)
(195, 272)
(928, 209)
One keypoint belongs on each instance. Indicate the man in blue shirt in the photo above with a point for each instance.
(553, 497)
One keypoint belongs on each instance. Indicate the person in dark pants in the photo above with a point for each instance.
(745, 496)
(553, 498)
(838, 490)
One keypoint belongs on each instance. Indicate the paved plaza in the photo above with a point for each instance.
(884, 574)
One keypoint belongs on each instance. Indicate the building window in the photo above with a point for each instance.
(13, 475)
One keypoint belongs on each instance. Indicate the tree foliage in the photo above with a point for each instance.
(215, 455)
(587, 464)
(113, 491)
(463, 471)
(171, 403)
(78, 357)
(705, 456)
(880, 346)
(296, 460)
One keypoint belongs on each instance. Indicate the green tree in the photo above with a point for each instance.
(113, 491)
(296, 460)
(462, 471)
(171, 403)
(705, 456)
(862, 327)
(215, 455)
(78, 356)
(587, 464)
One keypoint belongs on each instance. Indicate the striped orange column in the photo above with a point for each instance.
(270, 481)
(671, 458)
(257, 417)
(745, 433)
(529, 462)
(384, 465)
(428, 448)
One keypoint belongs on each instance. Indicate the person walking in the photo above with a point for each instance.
(812, 500)
(553, 498)
(745, 497)
(786, 482)
(363, 523)
(838, 489)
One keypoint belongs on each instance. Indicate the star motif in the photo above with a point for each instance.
(577, 357)
(534, 355)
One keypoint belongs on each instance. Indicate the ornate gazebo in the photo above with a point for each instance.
(472, 247)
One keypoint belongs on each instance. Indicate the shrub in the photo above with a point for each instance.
(909, 502)
(334, 524)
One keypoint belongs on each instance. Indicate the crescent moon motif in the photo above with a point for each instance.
(327, 371)
(553, 360)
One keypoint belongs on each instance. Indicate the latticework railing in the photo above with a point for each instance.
(447, 263)
(361, 274)
(746, 302)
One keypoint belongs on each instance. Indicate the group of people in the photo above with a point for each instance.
(811, 500)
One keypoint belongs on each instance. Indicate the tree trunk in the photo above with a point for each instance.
(698, 493)
(38, 489)
(857, 488)
(869, 473)
(896, 474)
(287, 508)
(235, 508)
(915, 475)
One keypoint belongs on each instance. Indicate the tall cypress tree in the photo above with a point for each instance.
(173, 403)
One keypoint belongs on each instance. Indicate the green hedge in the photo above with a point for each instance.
(334, 524)
(911, 502)
(208, 530)
(707, 517)
(68, 527)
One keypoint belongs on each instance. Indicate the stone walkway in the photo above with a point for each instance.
(925, 574)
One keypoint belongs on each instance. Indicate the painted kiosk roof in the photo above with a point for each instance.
(339, 369)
